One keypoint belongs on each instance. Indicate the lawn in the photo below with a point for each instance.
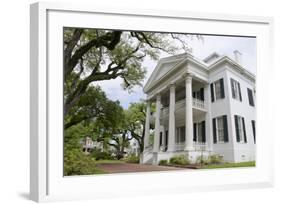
(230, 165)
(109, 161)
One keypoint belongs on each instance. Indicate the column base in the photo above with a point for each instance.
(155, 158)
(188, 148)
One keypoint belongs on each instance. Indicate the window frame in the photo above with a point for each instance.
(242, 136)
(215, 90)
(235, 91)
(218, 130)
(252, 95)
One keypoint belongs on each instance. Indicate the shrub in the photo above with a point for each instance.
(77, 163)
(99, 155)
(179, 160)
(202, 160)
(215, 159)
(163, 162)
(132, 159)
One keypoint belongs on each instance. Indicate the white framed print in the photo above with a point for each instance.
(154, 101)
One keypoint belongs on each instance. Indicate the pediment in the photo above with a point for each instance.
(161, 69)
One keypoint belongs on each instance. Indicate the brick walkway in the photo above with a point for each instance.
(128, 167)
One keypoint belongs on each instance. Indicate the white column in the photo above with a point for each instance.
(171, 134)
(157, 124)
(208, 120)
(188, 113)
(147, 126)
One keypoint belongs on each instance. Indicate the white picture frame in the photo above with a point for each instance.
(46, 179)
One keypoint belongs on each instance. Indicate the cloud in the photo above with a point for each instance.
(221, 44)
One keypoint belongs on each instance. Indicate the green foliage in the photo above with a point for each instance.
(230, 165)
(202, 160)
(93, 105)
(101, 155)
(132, 159)
(77, 163)
(179, 160)
(163, 162)
(215, 159)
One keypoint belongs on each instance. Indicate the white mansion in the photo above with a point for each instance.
(202, 108)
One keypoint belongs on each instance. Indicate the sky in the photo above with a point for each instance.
(223, 45)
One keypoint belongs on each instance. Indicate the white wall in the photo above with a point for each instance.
(243, 151)
(218, 108)
(14, 103)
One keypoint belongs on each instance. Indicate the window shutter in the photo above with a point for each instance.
(225, 128)
(239, 90)
(193, 94)
(236, 128)
(166, 138)
(254, 130)
(202, 94)
(212, 92)
(232, 87)
(160, 140)
(222, 88)
(250, 96)
(214, 130)
(194, 132)
(203, 132)
(244, 130)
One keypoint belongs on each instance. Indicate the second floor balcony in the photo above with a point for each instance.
(196, 103)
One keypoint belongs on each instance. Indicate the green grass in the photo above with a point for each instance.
(109, 161)
(99, 171)
(230, 165)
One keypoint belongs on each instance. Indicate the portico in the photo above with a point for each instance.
(177, 108)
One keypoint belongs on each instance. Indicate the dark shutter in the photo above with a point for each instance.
(232, 87)
(203, 132)
(222, 88)
(225, 129)
(244, 130)
(250, 96)
(237, 128)
(202, 94)
(239, 90)
(214, 130)
(166, 139)
(254, 130)
(194, 132)
(161, 136)
(212, 92)
(194, 94)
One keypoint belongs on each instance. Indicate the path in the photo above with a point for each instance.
(130, 167)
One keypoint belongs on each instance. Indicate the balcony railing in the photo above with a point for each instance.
(196, 103)
(198, 146)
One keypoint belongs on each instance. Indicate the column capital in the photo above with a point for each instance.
(172, 85)
(158, 96)
(148, 101)
(188, 76)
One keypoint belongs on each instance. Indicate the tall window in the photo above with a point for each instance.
(254, 130)
(236, 90)
(220, 131)
(198, 94)
(250, 96)
(199, 132)
(180, 134)
(217, 90)
(240, 129)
